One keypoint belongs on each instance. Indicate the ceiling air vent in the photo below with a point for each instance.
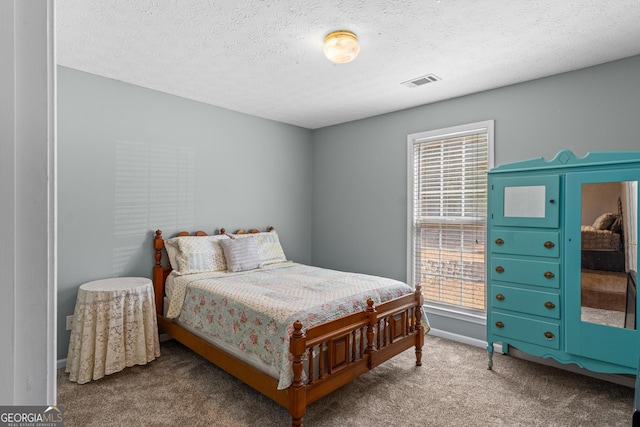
(422, 80)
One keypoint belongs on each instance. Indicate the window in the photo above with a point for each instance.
(447, 214)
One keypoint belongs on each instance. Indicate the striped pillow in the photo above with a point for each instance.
(241, 254)
(269, 248)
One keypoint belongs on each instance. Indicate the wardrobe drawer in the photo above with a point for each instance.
(528, 272)
(532, 302)
(534, 243)
(539, 332)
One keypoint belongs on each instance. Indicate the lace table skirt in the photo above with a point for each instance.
(114, 327)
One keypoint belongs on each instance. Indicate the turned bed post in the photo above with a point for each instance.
(297, 390)
(418, 327)
(158, 271)
(373, 319)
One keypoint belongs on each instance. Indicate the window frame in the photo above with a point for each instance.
(462, 313)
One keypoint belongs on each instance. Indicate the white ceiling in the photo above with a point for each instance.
(265, 58)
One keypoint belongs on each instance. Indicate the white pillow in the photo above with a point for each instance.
(196, 254)
(241, 254)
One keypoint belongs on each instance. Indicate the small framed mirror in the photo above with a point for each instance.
(525, 202)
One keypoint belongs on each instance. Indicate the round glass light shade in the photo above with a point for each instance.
(341, 46)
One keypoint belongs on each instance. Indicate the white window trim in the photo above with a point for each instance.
(461, 313)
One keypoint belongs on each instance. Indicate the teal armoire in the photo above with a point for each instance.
(562, 259)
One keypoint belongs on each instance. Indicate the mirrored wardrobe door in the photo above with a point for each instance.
(608, 256)
(601, 223)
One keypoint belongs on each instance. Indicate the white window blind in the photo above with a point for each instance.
(448, 205)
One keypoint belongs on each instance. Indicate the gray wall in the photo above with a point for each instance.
(360, 168)
(123, 149)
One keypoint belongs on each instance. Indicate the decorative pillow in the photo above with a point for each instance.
(269, 248)
(241, 254)
(604, 221)
(196, 254)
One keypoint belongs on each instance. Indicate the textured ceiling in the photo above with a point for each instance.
(265, 58)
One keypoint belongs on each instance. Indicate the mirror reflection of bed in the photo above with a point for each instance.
(609, 218)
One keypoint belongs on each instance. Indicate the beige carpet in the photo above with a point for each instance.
(452, 388)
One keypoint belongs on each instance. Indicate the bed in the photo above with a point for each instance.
(293, 332)
(603, 243)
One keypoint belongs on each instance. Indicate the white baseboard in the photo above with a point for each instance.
(463, 339)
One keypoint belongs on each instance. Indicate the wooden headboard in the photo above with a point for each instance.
(161, 271)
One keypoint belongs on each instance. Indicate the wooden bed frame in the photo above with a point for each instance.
(347, 347)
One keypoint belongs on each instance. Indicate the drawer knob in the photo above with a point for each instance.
(548, 335)
(500, 269)
(549, 244)
(549, 275)
(549, 305)
(499, 324)
(499, 242)
(500, 297)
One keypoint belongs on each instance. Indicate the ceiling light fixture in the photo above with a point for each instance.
(341, 46)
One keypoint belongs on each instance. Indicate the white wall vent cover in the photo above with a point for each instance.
(422, 80)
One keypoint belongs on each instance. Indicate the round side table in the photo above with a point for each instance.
(114, 327)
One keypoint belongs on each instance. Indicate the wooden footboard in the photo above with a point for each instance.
(335, 352)
(349, 346)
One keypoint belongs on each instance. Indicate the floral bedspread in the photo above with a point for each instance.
(255, 310)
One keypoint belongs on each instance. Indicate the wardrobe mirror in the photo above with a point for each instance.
(609, 253)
